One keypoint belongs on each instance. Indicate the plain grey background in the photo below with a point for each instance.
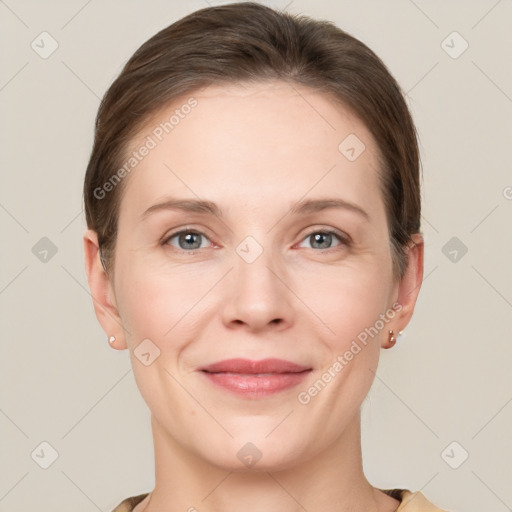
(438, 417)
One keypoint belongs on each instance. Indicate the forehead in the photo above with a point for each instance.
(253, 143)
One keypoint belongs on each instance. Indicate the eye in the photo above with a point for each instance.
(322, 239)
(188, 240)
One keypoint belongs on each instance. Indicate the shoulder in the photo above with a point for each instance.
(413, 501)
(130, 503)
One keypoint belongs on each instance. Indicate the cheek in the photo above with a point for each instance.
(348, 299)
(153, 305)
(152, 301)
(353, 305)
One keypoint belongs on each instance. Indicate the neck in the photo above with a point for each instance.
(330, 481)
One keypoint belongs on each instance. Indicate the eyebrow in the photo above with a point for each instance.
(210, 208)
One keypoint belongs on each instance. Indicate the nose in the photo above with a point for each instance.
(258, 296)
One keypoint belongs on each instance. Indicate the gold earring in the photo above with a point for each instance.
(392, 339)
(112, 339)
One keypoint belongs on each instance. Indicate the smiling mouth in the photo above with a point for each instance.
(255, 374)
(246, 366)
(255, 379)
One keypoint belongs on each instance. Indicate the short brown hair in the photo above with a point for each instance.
(248, 42)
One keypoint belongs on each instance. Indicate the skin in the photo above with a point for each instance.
(255, 150)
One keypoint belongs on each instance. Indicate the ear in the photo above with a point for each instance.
(407, 289)
(102, 292)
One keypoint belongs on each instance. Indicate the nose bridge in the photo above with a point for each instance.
(259, 297)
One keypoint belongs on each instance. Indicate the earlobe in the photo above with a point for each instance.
(408, 289)
(102, 292)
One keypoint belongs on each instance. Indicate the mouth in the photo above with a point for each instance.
(255, 379)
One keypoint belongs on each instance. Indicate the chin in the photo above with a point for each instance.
(248, 453)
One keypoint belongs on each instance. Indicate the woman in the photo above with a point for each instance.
(253, 211)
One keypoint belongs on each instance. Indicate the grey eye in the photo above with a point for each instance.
(322, 239)
(187, 240)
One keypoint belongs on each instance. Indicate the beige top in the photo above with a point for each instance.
(409, 502)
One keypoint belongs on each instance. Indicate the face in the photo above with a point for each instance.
(289, 259)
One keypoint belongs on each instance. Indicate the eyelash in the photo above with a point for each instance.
(343, 239)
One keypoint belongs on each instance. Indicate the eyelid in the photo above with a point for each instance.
(326, 229)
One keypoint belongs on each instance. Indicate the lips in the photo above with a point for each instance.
(248, 367)
(255, 379)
